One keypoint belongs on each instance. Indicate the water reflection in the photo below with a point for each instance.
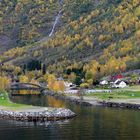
(33, 124)
(54, 102)
(26, 92)
(91, 123)
(39, 100)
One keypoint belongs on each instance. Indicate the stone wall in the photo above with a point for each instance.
(46, 115)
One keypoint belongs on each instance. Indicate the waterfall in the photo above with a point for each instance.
(55, 23)
(57, 18)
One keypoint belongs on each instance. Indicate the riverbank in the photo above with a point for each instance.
(94, 101)
(20, 112)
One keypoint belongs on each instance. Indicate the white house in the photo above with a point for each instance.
(104, 82)
(68, 84)
(119, 84)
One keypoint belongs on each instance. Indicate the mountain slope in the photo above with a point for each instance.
(26, 21)
(107, 32)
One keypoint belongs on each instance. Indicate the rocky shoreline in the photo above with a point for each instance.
(53, 114)
(95, 102)
(120, 105)
(70, 99)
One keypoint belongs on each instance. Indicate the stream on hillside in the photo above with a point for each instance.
(57, 19)
(96, 123)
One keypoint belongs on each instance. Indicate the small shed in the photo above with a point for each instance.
(103, 82)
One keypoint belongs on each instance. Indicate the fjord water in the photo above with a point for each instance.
(92, 123)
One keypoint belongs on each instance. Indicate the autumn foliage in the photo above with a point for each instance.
(4, 82)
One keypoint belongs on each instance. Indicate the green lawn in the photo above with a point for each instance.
(116, 95)
(135, 87)
(5, 102)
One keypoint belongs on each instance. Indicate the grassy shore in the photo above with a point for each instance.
(131, 98)
(116, 95)
(133, 88)
(7, 104)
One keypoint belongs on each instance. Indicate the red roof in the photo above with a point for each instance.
(118, 76)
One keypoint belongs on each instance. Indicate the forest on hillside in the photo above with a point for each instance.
(93, 38)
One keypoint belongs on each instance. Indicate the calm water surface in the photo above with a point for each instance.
(92, 123)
